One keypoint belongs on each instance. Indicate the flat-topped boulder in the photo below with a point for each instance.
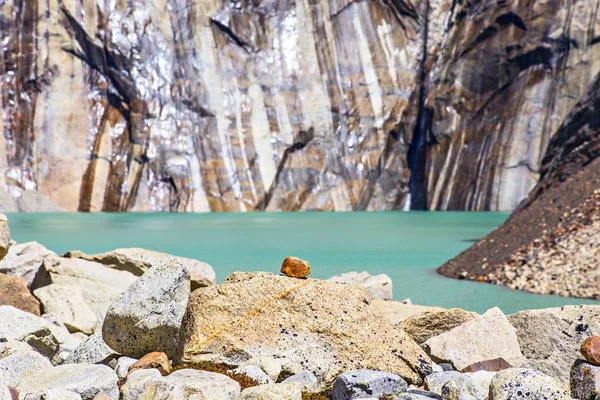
(137, 261)
(422, 327)
(325, 327)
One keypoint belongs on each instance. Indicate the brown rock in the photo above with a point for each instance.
(4, 236)
(322, 326)
(295, 267)
(590, 349)
(157, 359)
(13, 292)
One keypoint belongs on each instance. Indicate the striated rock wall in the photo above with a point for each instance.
(191, 105)
(208, 105)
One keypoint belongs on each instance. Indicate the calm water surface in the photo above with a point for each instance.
(407, 246)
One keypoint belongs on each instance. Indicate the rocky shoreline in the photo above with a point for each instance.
(136, 324)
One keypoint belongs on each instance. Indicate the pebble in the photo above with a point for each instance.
(590, 349)
(295, 267)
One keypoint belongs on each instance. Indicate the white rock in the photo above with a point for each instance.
(99, 286)
(67, 304)
(485, 337)
(138, 261)
(306, 378)
(25, 327)
(24, 260)
(60, 394)
(436, 381)
(20, 365)
(277, 391)
(379, 287)
(522, 383)
(396, 312)
(83, 379)
(147, 317)
(4, 392)
(255, 373)
(181, 384)
(123, 364)
(468, 386)
(9, 347)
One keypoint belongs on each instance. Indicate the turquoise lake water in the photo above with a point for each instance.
(407, 246)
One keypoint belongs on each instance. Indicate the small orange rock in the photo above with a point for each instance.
(590, 349)
(295, 267)
(157, 359)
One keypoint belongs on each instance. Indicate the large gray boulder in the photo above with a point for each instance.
(83, 379)
(24, 260)
(99, 286)
(181, 384)
(147, 317)
(585, 380)
(379, 287)
(20, 365)
(25, 327)
(485, 337)
(138, 261)
(469, 386)
(550, 338)
(523, 383)
(360, 384)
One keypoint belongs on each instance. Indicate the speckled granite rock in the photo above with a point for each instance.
(253, 314)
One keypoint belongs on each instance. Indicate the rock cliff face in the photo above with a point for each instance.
(208, 105)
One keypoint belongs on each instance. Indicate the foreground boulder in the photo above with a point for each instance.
(24, 260)
(85, 380)
(181, 384)
(469, 386)
(424, 326)
(97, 286)
(522, 383)
(485, 337)
(379, 287)
(396, 312)
(147, 317)
(22, 326)
(360, 384)
(324, 327)
(550, 338)
(14, 292)
(138, 261)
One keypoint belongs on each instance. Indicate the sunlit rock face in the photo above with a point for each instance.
(213, 105)
(190, 105)
(507, 75)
